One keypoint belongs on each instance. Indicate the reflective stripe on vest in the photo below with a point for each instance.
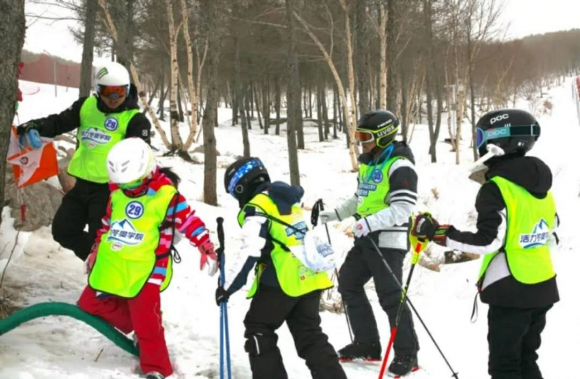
(295, 279)
(373, 187)
(96, 136)
(126, 255)
(529, 224)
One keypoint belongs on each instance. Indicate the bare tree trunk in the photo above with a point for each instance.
(392, 30)
(155, 90)
(257, 100)
(190, 85)
(162, 97)
(293, 97)
(245, 138)
(362, 66)
(319, 113)
(383, 19)
(176, 142)
(325, 111)
(350, 68)
(266, 103)
(135, 76)
(88, 45)
(278, 103)
(12, 29)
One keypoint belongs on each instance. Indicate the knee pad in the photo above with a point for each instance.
(260, 344)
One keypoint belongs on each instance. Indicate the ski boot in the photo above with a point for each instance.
(154, 375)
(370, 352)
(403, 365)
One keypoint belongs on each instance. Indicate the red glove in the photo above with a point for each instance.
(208, 257)
(427, 228)
(90, 262)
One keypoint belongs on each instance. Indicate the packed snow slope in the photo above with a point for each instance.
(58, 347)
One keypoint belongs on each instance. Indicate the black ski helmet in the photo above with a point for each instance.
(383, 125)
(243, 176)
(514, 130)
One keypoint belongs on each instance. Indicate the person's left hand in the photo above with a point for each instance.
(361, 228)
(221, 295)
(208, 257)
(427, 228)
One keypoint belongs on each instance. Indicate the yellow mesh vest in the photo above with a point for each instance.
(373, 187)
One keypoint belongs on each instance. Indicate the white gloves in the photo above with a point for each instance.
(327, 216)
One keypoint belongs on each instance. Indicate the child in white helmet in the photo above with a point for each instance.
(131, 261)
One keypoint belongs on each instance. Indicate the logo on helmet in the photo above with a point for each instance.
(497, 133)
(102, 72)
(111, 124)
(504, 116)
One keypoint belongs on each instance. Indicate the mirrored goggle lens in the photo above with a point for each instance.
(131, 185)
(113, 92)
(364, 137)
(480, 137)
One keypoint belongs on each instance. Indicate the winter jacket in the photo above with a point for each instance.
(70, 119)
(535, 176)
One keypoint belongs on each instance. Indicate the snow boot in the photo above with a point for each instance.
(403, 365)
(154, 375)
(356, 350)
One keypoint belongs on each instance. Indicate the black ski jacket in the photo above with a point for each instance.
(536, 177)
(70, 119)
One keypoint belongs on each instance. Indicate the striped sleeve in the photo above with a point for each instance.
(105, 223)
(187, 222)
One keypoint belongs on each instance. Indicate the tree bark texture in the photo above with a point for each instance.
(190, 84)
(88, 46)
(293, 97)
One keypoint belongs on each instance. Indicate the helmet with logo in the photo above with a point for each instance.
(378, 126)
(113, 75)
(513, 130)
(129, 162)
(243, 177)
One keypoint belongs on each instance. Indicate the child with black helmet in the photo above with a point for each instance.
(383, 204)
(284, 290)
(516, 227)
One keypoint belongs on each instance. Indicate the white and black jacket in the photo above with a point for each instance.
(499, 287)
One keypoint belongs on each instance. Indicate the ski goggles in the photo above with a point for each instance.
(240, 173)
(131, 185)
(483, 136)
(364, 137)
(113, 92)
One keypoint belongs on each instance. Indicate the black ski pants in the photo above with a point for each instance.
(269, 309)
(514, 338)
(85, 203)
(363, 263)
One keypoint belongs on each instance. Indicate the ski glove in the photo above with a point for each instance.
(90, 262)
(361, 228)
(221, 295)
(208, 257)
(426, 227)
(26, 127)
(327, 216)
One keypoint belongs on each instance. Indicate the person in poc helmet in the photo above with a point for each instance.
(104, 119)
(284, 290)
(516, 227)
(385, 199)
(131, 261)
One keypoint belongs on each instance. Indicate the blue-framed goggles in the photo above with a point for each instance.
(483, 136)
(241, 172)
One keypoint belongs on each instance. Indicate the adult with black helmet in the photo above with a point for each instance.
(385, 199)
(284, 290)
(516, 228)
(104, 119)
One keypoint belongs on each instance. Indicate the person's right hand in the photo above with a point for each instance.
(327, 216)
(26, 127)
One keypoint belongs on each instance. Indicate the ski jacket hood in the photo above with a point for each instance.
(528, 172)
(285, 195)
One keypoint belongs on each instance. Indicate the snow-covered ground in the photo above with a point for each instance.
(58, 347)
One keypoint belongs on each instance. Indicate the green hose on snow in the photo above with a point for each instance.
(64, 309)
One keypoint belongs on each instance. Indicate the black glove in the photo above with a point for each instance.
(426, 227)
(221, 295)
(25, 128)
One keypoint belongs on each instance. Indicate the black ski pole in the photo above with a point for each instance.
(319, 206)
(392, 274)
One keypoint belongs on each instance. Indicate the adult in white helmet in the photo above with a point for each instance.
(101, 120)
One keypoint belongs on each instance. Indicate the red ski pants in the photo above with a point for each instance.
(141, 314)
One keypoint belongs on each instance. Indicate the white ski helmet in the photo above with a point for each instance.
(111, 74)
(130, 160)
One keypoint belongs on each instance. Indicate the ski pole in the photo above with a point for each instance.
(392, 274)
(224, 330)
(395, 328)
(319, 206)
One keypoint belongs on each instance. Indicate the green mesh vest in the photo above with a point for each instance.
(373, 187)
(126, 255)
(294, 278)
(529, 222)
(96, 136)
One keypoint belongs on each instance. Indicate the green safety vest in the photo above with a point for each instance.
(529, 223)
(373, 187)
(96, 136)
(126, 256)
(295, 279)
